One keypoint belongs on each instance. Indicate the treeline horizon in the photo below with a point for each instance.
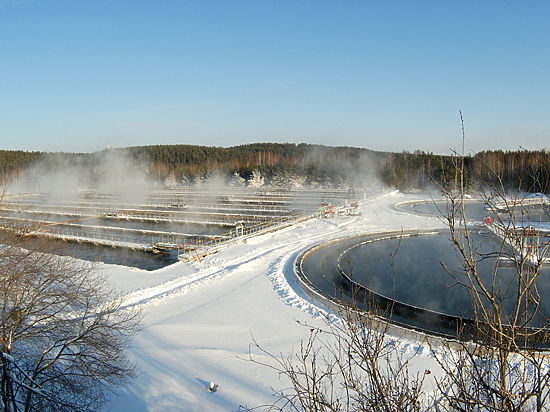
(523, 170)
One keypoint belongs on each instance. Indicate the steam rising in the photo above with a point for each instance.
(64, 179)
(107, 198)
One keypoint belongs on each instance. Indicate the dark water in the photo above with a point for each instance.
(121, 255)
(529, 214)
(415, 275)
(474, 209)
(478, 210)
(106, 254)
(194, 216)
(87, 222)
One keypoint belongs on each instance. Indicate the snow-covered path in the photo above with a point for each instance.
(199, 318)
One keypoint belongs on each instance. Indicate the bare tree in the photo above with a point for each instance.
(496, 362)
(63, 334)
(349, 365)
(501, 369)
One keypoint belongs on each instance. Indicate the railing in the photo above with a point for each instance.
(253, 215)
(198, 249)
(400, 313)
(524, 241)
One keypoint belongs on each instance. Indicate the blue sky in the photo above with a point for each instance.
(388, 75)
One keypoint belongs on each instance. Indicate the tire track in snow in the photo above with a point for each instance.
(182, 284)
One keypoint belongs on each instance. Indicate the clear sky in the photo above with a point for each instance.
(389, 75)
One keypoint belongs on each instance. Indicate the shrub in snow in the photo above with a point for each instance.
(256, 180)
(237, 180)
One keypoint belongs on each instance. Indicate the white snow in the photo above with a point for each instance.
(200, 318)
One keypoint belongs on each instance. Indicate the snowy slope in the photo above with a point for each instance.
(199, 318)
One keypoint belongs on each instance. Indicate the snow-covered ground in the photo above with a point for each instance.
(200, 318)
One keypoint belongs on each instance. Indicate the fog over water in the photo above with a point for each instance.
(111, 200)
(426, 272)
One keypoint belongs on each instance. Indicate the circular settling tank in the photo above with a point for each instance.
(477, 210)
(414, 278)
(474, 209)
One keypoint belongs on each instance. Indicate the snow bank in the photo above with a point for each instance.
(200, 317)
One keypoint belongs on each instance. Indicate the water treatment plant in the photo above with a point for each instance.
(416, 279)
(412, 277)
(167, 223)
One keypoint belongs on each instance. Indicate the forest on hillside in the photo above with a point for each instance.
(348, 166)
(523, 170)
